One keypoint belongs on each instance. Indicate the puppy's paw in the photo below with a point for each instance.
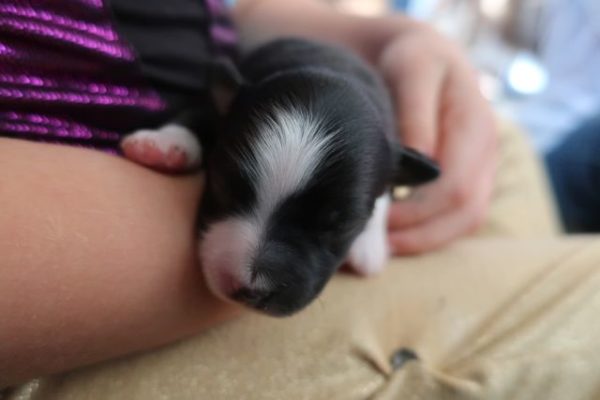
(172, 148)
(370, 252)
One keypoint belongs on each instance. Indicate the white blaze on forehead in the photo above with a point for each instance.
(288, 148)
(286, 151)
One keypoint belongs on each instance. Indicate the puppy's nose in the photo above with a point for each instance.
(253, 297)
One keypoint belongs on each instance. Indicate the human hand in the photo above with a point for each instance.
(441, 113)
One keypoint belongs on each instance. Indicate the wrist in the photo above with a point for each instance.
(370, 36)
(262, 20)
(259, 21)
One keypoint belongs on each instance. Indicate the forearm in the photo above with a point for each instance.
(98, 259)
(261, 20)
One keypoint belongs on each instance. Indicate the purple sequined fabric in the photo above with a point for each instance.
(67, 77)
(222, 33)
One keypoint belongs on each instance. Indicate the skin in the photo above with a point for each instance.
(92, 256)
(88, 258)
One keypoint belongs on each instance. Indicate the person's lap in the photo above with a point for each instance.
(483, 328)
(488, 318)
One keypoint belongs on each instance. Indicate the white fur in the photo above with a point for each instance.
(370, 251)
(287, 151)
(172, 136)
(228, 247)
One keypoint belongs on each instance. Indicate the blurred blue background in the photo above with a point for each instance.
(539, 59)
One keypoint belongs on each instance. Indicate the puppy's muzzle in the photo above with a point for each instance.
(254, 298)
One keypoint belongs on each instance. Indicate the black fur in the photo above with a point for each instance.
(309, 235)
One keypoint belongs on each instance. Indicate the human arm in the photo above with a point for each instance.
(98, 259)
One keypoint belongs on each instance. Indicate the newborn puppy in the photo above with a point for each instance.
(299, 178)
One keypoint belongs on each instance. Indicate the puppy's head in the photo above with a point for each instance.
(281, 213)
(291, 184)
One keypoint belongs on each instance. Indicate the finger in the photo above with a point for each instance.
(467, 124)
(415, 86)
(434, 234)
(422, 204)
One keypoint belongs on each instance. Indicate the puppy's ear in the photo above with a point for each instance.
(227, 81)
(413, 168)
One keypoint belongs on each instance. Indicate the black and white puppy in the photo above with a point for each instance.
(299, 178)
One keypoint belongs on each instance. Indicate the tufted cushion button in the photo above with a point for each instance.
(401, 357)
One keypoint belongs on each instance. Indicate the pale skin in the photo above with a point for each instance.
(92, 256)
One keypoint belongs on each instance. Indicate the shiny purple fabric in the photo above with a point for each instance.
(66, 76)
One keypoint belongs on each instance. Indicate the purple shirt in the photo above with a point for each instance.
(68, 76)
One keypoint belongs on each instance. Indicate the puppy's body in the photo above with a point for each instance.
(298, 179)
(306, 58)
